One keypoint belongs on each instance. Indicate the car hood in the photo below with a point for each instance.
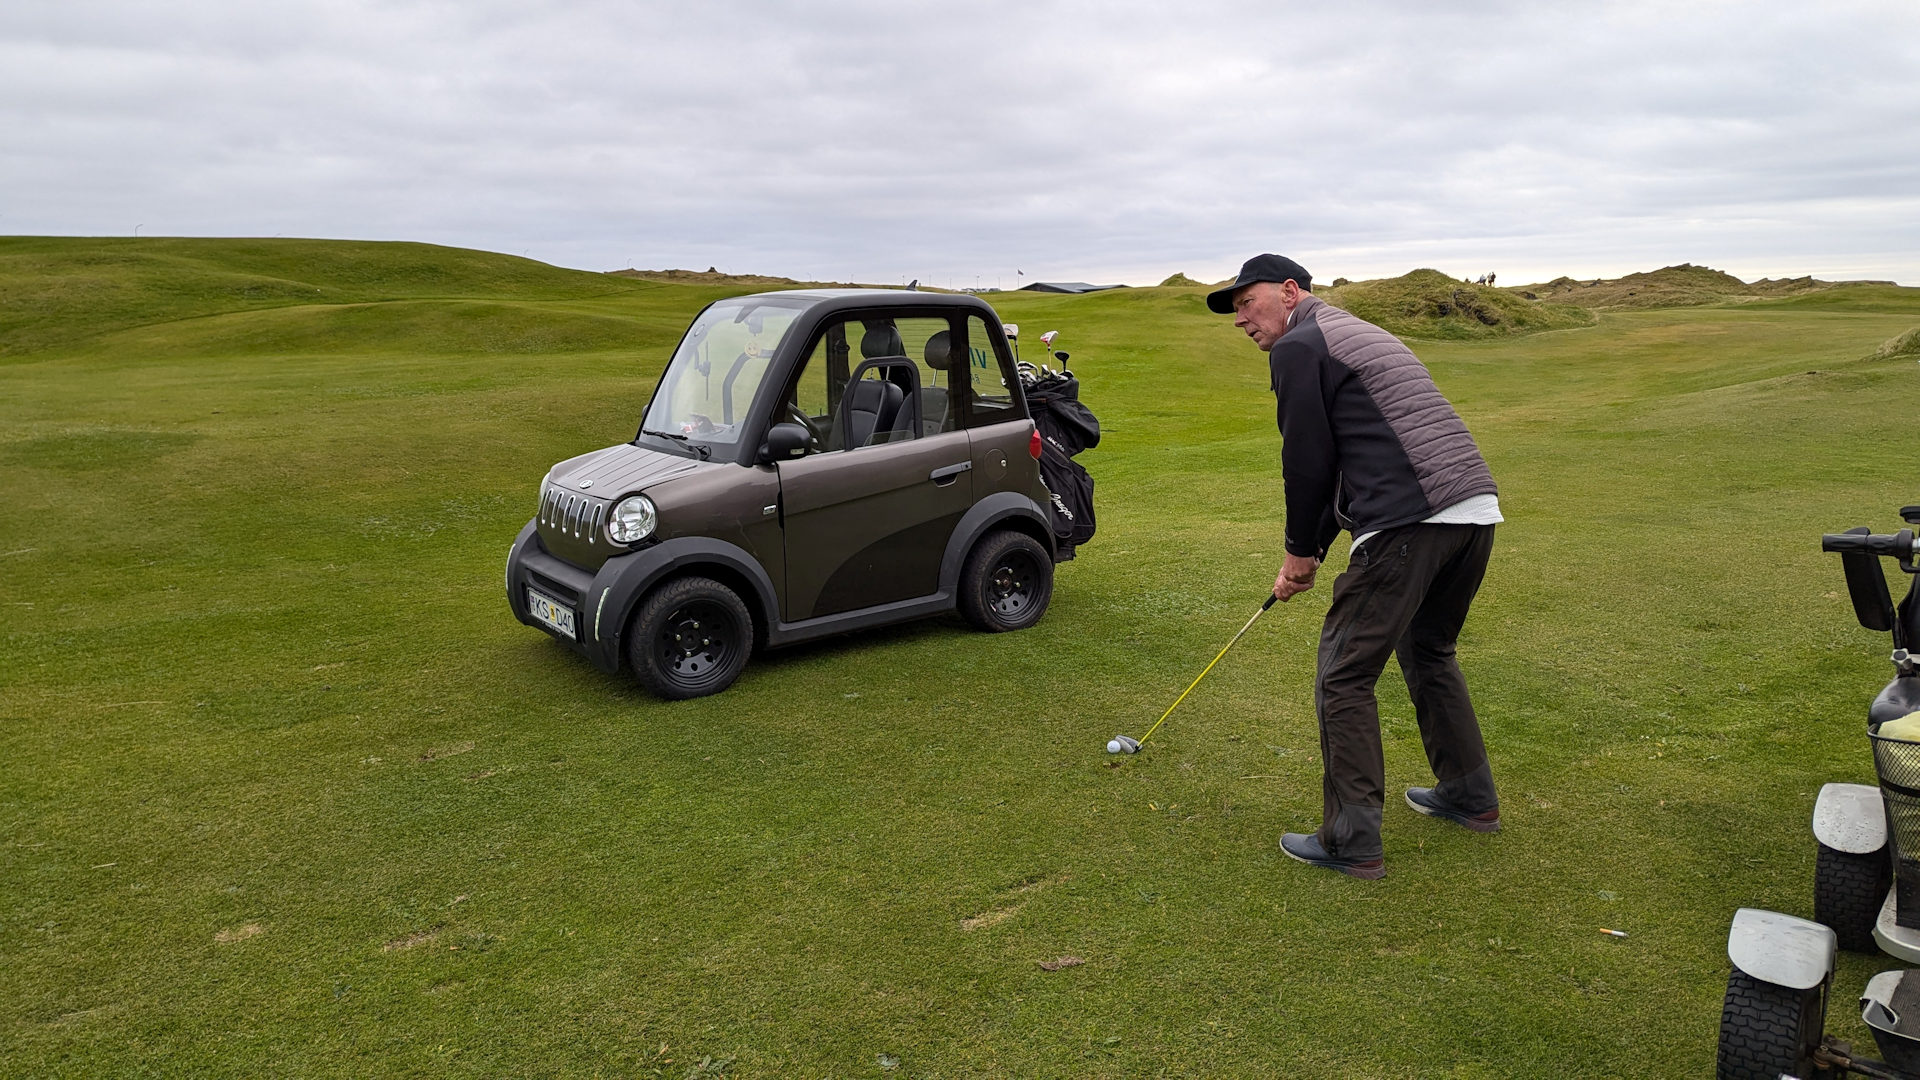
(622, 470)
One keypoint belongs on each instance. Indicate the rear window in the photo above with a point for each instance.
(991, 373)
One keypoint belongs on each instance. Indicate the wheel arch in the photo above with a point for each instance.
(1001, 510)
(625, 581)
(726, 574)
(1027, 525)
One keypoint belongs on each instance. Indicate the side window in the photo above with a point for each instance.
(816, 394)
(992, 375)
(892, 402)
(932, 345)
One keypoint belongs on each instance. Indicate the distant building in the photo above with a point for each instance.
(1067, 287)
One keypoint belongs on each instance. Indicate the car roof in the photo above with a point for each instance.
(839, 299)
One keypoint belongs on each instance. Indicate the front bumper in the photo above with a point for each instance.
(529, 563)
(603, 600)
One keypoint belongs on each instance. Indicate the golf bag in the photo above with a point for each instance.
(1066, 428)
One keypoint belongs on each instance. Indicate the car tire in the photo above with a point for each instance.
(1767, 1031)
(1006, 583)
(1848, 892)
(691, 637)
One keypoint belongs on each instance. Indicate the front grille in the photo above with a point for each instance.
(569, 513)
(555, 588)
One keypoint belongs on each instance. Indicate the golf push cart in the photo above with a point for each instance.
(1866, 880)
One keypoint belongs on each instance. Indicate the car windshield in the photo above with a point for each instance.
(704, 397)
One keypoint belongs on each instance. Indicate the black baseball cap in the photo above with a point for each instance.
(1259, 268)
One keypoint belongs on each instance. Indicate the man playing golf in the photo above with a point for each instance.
(1368, 444)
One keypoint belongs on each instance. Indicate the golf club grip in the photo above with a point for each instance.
(1270, 599)
(1898, 544)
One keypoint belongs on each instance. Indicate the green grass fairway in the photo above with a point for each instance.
(285, 791)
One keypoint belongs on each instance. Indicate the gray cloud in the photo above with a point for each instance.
(882, 141)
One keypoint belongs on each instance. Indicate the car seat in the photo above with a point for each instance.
(895, 420)
(873, 407)
(935, 401)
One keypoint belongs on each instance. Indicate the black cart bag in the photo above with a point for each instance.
(1066, 428)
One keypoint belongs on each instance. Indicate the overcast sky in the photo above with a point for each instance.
(961, 143)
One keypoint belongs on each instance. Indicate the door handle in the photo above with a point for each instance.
(946, 473)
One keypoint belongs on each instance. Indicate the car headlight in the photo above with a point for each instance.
(632, 520)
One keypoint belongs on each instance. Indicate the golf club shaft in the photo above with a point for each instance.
(1203, 674)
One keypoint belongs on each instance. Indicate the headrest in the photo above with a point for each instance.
(882, 339)
(939, 351)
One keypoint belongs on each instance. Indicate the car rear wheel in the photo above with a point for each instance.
(1006, 582)
(691, 637)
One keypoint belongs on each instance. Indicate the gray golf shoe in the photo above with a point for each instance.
(1429, 802)
(1306, 847)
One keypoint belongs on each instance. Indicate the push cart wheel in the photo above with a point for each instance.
(1006, 582)
(691, 637)
(1767, 1030)
(1848, 891)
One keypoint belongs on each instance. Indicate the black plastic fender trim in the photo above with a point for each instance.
(987, 513)
(624, 579)
(516, 576)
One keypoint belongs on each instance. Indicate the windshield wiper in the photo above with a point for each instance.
(702, 449)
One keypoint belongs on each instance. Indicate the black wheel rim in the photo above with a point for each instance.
(697, 642)
(1012, 585)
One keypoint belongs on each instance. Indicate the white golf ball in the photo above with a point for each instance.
(1113, 746)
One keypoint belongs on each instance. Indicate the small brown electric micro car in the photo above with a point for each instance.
(812, 462)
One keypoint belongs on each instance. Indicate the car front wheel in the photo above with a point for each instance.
(1006, 583)
(691, 637)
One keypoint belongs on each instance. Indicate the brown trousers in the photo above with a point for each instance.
(1405, 592)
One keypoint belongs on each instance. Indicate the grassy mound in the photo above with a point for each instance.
(1850, 296)
(57, 290)
(1907, 344)
(1685, 285)
(1429, 304)
(456, 327)
(1179, 281)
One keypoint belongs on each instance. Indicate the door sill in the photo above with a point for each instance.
(786, 633)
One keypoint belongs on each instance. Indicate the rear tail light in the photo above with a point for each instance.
(1033, 444)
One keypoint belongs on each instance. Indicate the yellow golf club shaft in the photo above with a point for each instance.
(1203, 674)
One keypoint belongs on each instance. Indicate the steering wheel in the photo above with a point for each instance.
(797, 415)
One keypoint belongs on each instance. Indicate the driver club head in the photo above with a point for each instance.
(1123, 744)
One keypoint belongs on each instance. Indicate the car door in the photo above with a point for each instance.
(866, 516)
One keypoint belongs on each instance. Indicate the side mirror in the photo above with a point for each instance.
(784, 442)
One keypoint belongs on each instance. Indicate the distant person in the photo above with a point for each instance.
(1368, 444)
(1489, 278)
